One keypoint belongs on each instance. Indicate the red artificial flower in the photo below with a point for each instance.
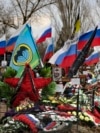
(29, 86)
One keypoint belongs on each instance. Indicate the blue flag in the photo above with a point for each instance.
(25, 51)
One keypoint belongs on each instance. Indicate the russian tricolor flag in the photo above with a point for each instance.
(65, 56)
(2, 45)
(49, 52)
(11, 42)
(45, 33)
(85, 37)
(93, 58)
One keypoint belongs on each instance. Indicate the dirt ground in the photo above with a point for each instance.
(84, 129)
(77, 129)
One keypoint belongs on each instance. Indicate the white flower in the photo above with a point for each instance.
(11, 122)
(6, 125)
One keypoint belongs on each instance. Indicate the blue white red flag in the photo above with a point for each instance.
(65, 56)
(93, 58)
(45, 33)
(12, 40)
(49, 52)
(85, 37)
(2, 45)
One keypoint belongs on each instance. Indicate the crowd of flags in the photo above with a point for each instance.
(23, 46)
(84, 38)
(81, 56)
(12, 40)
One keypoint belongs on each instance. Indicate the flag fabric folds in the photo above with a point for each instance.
(77, 25)
(45, 33)
(2, 45)
(81, 56)
(49, 52)
(85, 37)
(65, 56)
(11, 43)
(25, 51)
(93, 58)
(12, 40)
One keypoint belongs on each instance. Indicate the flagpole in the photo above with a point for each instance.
(5, 52)
(4, 56)
(4, 62)
(40, 60)
(81, 56)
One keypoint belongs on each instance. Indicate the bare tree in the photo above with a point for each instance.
(21, 11)
(68, 12)
(89, 15)
(6, 19)
(26, 8)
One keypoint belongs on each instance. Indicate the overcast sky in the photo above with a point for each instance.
(45, 21)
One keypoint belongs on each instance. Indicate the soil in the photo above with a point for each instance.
(84, 129)
(74, 128)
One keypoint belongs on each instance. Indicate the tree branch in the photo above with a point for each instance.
(34, 10)
(20, 8)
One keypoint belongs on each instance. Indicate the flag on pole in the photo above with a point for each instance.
(65, 56)
(12, 40)
(25, 51)
(83, 39)
(49, 51)
(81, 56)
(2, 45)
(45, 33)
(93, 58)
